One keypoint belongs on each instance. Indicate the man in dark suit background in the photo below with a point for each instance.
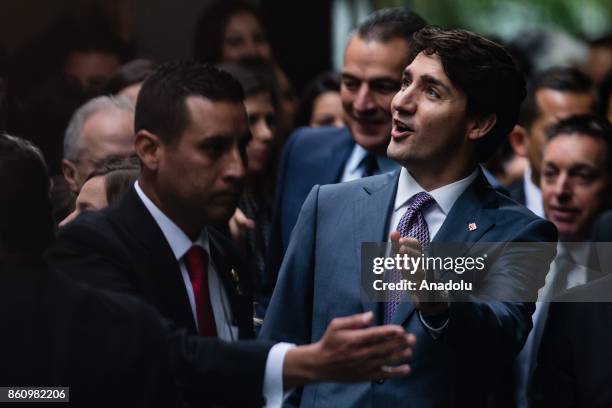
(375, 55)
(573, 364)
(575, 184)
(447, 117)
(552, 95)
(159, 244)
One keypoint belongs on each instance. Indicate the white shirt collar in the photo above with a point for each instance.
(177, 239)
(533, 194)
(445, 196)
(355, 160)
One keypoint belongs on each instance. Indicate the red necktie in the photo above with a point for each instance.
(196, 260)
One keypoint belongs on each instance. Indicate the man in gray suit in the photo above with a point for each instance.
(460, 95)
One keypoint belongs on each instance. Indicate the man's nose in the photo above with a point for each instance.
(364, 100)
(404, 101)
(235, 165)
(563, 188)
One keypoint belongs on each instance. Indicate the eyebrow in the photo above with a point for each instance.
(346, 75)
(429, 80)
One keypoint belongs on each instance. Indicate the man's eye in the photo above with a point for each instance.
(549, 174)
(385, 87)
(406, 82)
(350, 84)
(585, 177)
(213, 149)
(432, 93)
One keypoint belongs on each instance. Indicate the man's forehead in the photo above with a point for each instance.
(372, 57)
(109, 127)
(575, 148)
(560, 104)
(217, 117)
(424, 64)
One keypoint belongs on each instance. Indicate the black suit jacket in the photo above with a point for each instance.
(517, 191)
(574, 360)
(122, 249)
(111, 350)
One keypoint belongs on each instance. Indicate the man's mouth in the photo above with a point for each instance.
(401, 129)
(564, 214)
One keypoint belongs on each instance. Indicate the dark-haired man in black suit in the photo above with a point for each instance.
(159, 244)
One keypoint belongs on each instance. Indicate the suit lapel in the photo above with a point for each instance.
(371, 213)
(470, 208)
(337, 156)
(235, 284)
(157, 261)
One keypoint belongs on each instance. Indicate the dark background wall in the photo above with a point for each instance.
(162, 29)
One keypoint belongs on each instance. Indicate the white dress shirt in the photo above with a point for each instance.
(445, 197)
(533, 194)
(180, 243)
(435, 214)
(355, 166)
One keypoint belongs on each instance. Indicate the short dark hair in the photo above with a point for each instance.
(387, 24)
(119, 174)
(130, 73)
(605, 90)
(208, 39)
(325, 82)
(255, 76)
(161, 107)
(589, 125)
(26, 224)
(563, 79)
(484, 71)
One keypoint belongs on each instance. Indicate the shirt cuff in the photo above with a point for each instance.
(434, 331)
(273, 376)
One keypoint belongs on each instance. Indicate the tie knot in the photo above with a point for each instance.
(370, 165)
(421, 201)
(196, 260)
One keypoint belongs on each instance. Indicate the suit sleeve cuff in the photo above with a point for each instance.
(273, 376)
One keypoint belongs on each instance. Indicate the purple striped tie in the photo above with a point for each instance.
(412, 225)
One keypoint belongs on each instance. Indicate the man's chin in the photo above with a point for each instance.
(373, 142)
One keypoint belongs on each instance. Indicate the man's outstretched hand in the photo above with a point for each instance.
(351, 350)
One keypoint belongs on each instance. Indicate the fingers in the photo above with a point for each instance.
(243, 221)
(353, 322)
(377, 335)
(239, 224)
(387, 372)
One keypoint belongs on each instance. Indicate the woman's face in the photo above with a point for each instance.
(244, 38)
(262, 124)
(327, 110)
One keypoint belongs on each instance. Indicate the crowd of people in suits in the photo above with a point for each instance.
(190, 233)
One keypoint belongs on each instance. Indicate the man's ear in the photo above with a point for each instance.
(148, 148)
(70, 174)
(481, 125)
(518, 140)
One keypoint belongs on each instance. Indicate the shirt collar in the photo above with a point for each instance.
(533, 194)
(355, 161)
(445, 196)
(177, 239)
